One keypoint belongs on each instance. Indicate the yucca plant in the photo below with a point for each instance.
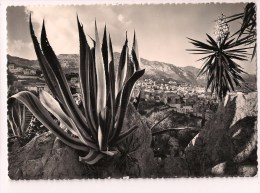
(248, 27)
(99, 126)
(222, 71)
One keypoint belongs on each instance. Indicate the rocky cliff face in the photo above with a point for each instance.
(227, 143)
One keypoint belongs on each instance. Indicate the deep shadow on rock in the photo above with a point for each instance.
(46, 157)
(227, 140)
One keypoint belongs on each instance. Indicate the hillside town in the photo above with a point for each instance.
(182, 97)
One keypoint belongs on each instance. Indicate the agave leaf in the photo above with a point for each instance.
(69, 104)
(38, 110)
(125, 134)
(54, 108)
(49, 76)
(122, 68)
(101, 77)
(86, 61)
(13, 119)
(88, 142)
(104, 50)
(101, 86)
(124, 103)
(135, 53)
(92, 157)
(111, 96)
(130, 68)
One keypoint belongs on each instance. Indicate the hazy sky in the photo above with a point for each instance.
(162, 30)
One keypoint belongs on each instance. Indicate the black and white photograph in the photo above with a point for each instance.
(131, 91)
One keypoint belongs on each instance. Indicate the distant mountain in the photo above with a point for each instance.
(153, 69)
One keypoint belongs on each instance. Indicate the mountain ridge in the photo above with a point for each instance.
(154, 69)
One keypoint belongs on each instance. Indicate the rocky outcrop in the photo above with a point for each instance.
(46, 157)
(227, 143)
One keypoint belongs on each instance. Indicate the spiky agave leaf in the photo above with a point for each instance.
(101, 87)
(121, 110)
(54, 108)
(223, 74)
(122, 68)
(86, 75)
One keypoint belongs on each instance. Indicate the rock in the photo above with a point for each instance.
(247, 170)
(186, 135)
(219, 170)
(175, 167)
(143, 135)
(160, 145)
(230, 136)
(173, 145)
(38, 159)
(46, 157)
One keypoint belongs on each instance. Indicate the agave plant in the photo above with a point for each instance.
(16, 118)
(223, 73)
(99, 126)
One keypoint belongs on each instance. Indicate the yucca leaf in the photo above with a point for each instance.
(37, 109)
(213, 43)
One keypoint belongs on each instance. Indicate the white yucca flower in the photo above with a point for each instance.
(221, 28)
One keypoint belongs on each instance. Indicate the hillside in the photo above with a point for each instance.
(154, 69)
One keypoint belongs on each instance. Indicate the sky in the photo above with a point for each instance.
(161, 29)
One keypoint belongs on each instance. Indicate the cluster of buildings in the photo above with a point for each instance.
(22, 71)
(182, 97)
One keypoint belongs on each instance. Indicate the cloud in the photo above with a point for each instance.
(120, 17)
(21, 49)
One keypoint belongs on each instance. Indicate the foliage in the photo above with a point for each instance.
(105, 96)
(223, 73)
(16, 118)
(248, 26)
